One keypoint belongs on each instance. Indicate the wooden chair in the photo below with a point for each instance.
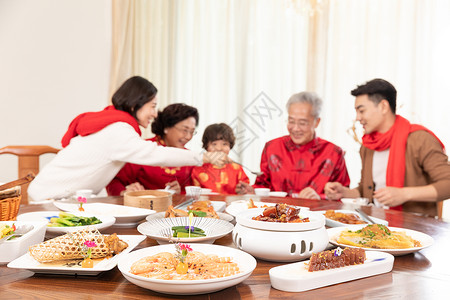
(28, 157)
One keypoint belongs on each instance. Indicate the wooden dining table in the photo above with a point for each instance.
(421, 275)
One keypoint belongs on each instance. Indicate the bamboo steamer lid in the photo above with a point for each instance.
(149, 199)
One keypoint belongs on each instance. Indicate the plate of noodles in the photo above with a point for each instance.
(154, 268)
(394, 240)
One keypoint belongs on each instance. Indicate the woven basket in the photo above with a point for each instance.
(9, 208)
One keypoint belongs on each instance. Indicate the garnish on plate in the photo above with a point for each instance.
(87, 248)
(81, 200)
(182, 252)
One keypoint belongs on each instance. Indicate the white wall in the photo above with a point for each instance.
(54, 64)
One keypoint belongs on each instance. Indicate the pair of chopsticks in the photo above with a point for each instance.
(17, 182)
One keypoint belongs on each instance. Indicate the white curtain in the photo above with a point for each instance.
(238, 61)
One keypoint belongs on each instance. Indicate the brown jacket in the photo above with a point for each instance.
(426, 163)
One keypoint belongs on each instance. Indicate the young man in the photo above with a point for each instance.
(300, 163)
(404, 165)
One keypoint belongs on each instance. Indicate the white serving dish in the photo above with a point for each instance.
(160, 215)
(29, 263)
(333, 223)
(355, 201)
(296, 278)
(161, 229)
(239, 206)
(10, 250)
(126, 216)
(245, 218)
(288, 241)
(43, 216)
(245, 262)
(423, 238)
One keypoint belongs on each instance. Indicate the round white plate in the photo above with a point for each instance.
(107, 221)
(239, 206)
(424, 239)
(245, 261)
(125, 215)
(160, 215)
(244, 218)
(277, 194)
(161, 229)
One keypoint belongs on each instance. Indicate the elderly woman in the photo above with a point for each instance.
(174, 127)
(300, 163)
(98, 144)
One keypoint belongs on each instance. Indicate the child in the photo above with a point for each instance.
(219, 137)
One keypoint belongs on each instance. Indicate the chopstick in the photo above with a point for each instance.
(365, 216)
(17, 182)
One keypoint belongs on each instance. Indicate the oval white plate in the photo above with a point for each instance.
(244, 218)
(125, 215)
(239, 206)
(107, 221)
(161, 229)
(245, 261)
(160, 215)
(424, 239)
(334, 223)
(277, 194)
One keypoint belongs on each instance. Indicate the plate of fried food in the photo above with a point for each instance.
(342, 217)
(67, 253)
(394, 240)
(200, 208)
(181, 269)
(330, 267)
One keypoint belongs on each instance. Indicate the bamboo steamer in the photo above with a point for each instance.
(149, 199)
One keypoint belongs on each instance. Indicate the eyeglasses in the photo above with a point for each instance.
(186, 131)
(301, 123)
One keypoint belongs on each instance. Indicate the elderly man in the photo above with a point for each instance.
(404, 165)
(300, 163)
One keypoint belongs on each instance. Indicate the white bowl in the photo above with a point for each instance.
(161, 229)
(16, 247)
(288, 241)
(245, 262)
(262, 191)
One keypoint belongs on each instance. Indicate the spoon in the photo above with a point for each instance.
(253, 172)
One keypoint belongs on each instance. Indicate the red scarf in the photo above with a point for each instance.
(92, 122)
(394, 140)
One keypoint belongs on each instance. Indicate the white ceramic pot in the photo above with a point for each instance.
(289, 242)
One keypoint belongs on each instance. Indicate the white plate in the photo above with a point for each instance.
(161, 229)
(28, 263)
(333, 223)
(296, 278)
(244, 218)
(424, 239)
(107, 221)
(245, 261)
(242, 205)
(218, 206)
(160, 215)
(125, 215)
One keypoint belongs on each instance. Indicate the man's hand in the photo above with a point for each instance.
(216, 158)
(391, 196)
(334, 190)
(175, 186)
(308, 193)
(244, 188)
